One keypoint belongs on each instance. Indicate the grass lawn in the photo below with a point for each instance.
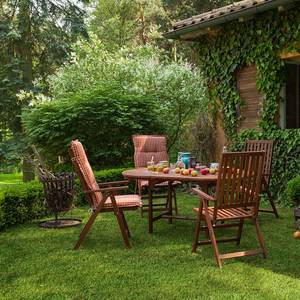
(10, 178)
(40, 263)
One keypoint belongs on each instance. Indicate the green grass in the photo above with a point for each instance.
(40, 263)
(10, 178)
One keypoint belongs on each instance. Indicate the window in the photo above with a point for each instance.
(290, 106)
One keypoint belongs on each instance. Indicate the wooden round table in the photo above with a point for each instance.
(156, 177)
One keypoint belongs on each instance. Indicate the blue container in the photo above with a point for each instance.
(185, 158)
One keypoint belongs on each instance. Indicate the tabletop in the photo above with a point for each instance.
(144, 173)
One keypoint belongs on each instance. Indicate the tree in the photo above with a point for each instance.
(36, 36)
(127, 22)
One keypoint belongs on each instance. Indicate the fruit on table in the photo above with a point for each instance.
(297, 234)
(191, 170)
(150, 168)
(185, 172)
(160, 168)
(212, 171)
(204, 171)
(166, 170)
(177, 170)
(194, 173)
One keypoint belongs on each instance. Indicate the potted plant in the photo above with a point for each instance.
(292, 193)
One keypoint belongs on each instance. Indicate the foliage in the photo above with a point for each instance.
(256, 41)
(103, 121)
(292, 192)
(168, 94)
(286, 154)
(40, 264)
(127, 22)
(35, 38)
(20, 203)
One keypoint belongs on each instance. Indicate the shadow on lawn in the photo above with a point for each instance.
(168, 242)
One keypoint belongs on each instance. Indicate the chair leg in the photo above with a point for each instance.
(260, 238)
(123, 230)
(86, 229)
(197, 233)
(213, 241)
(175, 201)
(125, 223)
(240, 229)
(271, 200)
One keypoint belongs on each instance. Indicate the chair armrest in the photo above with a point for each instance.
(108, 189)
(203, 195)
(113, 183)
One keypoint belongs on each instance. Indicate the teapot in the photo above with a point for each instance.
(185, 158)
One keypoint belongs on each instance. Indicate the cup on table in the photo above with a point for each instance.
(214, 166)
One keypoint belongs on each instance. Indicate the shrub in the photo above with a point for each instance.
(144, 74)
(103, 121)
(20, 203)
(25, 201)
(292, 192)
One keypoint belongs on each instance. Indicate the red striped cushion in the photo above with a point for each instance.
(148, 146)
(125, 201)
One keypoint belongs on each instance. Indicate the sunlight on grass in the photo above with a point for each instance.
(10, 178)
(40, 264)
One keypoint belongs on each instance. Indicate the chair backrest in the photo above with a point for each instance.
(263, 145)
(85, 173)
(148, 146)
(239, 180)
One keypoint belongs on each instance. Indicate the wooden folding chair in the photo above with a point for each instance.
(238, 187)
(102, 197)
(146, 148)
(267, 146)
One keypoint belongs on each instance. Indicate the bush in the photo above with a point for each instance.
(25, 201)
(161, 96)
(20, 203)
(103, 121)
(292, 192)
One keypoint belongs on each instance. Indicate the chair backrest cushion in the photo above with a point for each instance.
(262, 145)
(239, 180)
(85, 173)
(148, 146)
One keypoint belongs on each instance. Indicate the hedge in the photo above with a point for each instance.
(25, 201)
(292, 192)
(20, 203)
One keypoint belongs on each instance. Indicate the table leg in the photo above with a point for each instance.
(204, 187)
(150, 207)
(170, 200)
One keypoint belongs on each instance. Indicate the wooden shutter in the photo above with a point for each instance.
(251, 98)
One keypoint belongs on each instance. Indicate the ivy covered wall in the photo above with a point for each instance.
(259, 41)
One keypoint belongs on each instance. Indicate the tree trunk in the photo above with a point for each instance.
(25, 54)
(27, 169)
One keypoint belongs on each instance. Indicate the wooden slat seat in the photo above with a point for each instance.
(227, 214)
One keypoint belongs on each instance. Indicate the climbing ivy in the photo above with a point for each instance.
(258, 41)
